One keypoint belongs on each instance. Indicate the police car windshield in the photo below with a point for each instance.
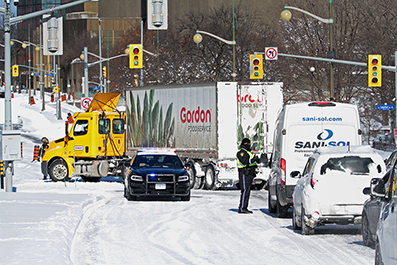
(149, 161)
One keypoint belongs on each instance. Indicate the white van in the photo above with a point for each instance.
(300, 129)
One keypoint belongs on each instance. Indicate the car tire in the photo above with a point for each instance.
(269, 202)
(128, 196)
(185, 198)
(209, 178)
(306, 230)
(58, 170)
(295, 225)
(367, 236)
(378, 254)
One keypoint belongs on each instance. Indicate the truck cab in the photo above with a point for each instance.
(93, 147)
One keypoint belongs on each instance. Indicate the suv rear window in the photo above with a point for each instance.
(354, 165)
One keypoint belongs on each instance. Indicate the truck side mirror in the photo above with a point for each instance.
(295, 174)
(264, 160)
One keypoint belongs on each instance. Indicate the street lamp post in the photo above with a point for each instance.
(286, 16)
(198, 38)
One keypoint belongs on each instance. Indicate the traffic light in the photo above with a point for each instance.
(136, 55)
(15, 70)
(374, 70)
(53, 79)
(256, 66)
(104, 71)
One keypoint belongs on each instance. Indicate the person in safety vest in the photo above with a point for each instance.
(246, 164)
(42, 150)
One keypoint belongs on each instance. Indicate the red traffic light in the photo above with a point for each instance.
(136, 50)
(375, 61)
(255, 61)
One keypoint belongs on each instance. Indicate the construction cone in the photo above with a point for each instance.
(32, 100)
(36, 153)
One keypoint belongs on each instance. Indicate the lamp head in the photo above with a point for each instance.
(197, 38)
(286, 15)
(82, 57)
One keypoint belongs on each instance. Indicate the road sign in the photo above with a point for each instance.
(85, 102)
(271, 53)
(385, 107)
(56, 89)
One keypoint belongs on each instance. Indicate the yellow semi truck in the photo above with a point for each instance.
(94, 147)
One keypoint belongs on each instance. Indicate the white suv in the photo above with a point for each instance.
(330, 188)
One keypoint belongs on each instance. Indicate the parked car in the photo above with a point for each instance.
(391, 159)
(386, 232)
(372, 208)
(329, 190)
(156, 174)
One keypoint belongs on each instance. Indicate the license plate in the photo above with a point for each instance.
(160, 186)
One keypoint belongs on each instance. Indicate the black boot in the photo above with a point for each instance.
(44, 177)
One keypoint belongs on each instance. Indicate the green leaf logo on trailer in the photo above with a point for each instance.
(147, 127)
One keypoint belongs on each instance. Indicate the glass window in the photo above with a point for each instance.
(349, 164)
(104, 126)
(118, 126)
(157, 161)
(308, 166)
(80, 127)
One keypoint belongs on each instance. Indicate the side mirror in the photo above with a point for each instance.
(378, 187)
(295, 174)
(367, 191)
(264, 160)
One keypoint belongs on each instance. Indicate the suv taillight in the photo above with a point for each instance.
(313, 181)
(283, 167)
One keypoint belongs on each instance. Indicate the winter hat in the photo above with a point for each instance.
(246, 142)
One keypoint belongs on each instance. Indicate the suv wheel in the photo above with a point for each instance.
(367, 237)
(306, 230)
(295, 225)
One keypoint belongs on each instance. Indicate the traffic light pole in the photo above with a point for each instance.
(8, 21)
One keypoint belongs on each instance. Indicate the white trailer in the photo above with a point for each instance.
(205, 123)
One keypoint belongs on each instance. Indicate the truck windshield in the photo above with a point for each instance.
(80, 127)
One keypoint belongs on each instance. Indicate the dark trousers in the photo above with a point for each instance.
(245, 185)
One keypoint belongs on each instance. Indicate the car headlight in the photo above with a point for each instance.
(183, 177)
(136, 178)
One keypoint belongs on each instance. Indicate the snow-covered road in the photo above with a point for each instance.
(206, 230)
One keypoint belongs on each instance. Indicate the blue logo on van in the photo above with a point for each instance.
(326, 132)
(322, 137)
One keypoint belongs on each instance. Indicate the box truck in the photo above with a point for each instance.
(202, 123)
(205, 123)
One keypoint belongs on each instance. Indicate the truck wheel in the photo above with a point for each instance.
(192, 174)
(58, 170)
(306, 230)
(272, 209)
(281, 211)
(209, 178)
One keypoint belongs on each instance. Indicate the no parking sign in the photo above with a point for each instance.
(85, 102)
